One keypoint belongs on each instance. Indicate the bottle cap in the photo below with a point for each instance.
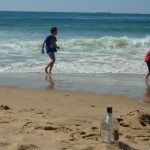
(109, 110)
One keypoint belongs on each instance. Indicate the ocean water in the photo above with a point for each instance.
(90, 42)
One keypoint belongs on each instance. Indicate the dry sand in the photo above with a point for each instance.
(49, 120)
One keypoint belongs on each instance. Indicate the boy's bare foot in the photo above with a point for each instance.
(50, 73)
(46, 71)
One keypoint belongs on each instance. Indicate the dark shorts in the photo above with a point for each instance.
(52, 56)
(148, 65)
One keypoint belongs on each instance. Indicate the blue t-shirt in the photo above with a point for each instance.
(51, 44)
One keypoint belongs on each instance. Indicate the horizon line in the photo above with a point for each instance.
(109, 12)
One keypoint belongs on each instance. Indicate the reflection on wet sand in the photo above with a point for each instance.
(51, 82)
(147, 92)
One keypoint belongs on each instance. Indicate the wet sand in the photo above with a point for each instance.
(130, 85)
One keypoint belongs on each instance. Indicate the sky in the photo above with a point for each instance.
(114, 6)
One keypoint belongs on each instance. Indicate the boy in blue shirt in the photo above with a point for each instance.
(51, 48)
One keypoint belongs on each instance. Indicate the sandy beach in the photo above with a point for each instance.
(66, 120)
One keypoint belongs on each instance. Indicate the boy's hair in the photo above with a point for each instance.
(53, 29)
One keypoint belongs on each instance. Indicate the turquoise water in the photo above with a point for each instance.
(90, 42)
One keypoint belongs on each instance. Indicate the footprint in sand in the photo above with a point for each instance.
(4, 107)
(27, 147)
(50, 128)
(91, 136)
(144, 119)
(137, 122)
(127, 120)
(94, 128)
(64, 130)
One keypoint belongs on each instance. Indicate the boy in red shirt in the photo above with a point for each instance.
(147, 60)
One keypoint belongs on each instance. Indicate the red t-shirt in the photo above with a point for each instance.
(147, 57)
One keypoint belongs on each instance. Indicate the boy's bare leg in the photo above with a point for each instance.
(147, 75)
(51, 67)
(46, 70)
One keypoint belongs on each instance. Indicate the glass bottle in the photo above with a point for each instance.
(110, 128)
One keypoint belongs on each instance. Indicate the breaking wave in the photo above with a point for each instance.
(82, 55)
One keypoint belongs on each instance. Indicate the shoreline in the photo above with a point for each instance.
(130, 85)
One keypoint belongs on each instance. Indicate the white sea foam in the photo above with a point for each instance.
(101, 55)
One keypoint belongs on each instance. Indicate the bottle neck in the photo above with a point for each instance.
(109, 115)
